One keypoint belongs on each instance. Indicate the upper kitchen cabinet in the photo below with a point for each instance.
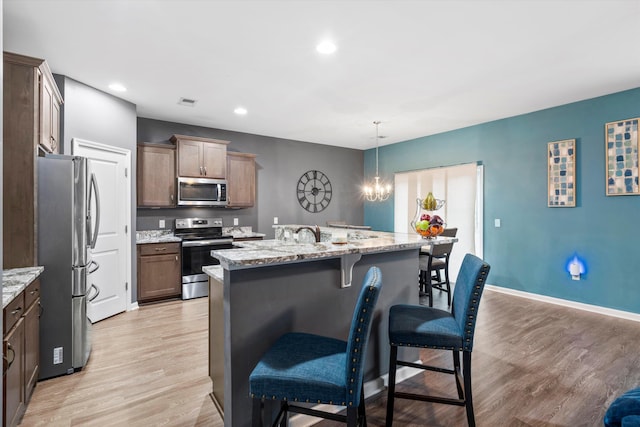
(156, 178)
(241, 180)
(31, 117)
(201, 157)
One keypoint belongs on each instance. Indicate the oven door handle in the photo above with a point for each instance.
(214, 242)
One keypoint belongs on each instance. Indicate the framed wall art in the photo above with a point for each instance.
(561, 173)
(621, 140)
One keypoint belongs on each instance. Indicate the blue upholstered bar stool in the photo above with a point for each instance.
(428, 327)
(308, 368)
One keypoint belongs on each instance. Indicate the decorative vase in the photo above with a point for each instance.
(425, 223)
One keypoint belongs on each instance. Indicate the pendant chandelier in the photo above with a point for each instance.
(377, 191)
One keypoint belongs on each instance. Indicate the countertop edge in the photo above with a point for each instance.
(16, 280)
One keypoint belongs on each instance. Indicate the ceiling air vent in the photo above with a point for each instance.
(188, 102)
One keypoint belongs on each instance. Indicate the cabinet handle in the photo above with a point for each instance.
(160, 249)
(17, 310)
(34, 291)
(53, 143)
(7, 363)
(201, 171)
(176, 257)
(205, 170)
(171, 195)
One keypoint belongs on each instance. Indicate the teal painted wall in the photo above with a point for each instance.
(531, 249)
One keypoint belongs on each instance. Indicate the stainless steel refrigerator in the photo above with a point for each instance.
(67, 230)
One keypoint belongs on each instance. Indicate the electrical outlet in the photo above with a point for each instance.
(275, 219)
(496, 222)
(161, 223)
(235, 221)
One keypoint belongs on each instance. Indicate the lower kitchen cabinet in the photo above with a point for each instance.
(21, 344)
(13, 392)
(159, 271)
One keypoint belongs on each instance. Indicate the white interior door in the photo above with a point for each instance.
(113, 250)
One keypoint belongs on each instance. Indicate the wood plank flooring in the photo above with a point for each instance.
(534, 365)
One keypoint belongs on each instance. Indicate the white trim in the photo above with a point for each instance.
(371, 388)
(133, 306)
(76, 144)
(566, 303)
(479, 225)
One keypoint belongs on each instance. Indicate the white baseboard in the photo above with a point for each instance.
(566, 303)
(371, 388)
(133, 306)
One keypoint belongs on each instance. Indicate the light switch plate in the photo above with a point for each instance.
(161, 223)
(235, 221)
(275, 219)
(496, 222)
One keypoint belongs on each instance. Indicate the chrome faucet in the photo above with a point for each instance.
(316, 231)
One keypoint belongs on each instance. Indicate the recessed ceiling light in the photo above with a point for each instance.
(241, 111)
(117, 87)
(187, 102)
(326, 47)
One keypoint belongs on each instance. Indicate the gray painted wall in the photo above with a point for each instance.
(279, 165)
(93, 115)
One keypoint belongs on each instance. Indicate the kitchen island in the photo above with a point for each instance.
(267, 288)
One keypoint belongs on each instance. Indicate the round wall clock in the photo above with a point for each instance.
(314, 191)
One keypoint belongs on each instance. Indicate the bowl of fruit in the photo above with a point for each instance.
(428, 226)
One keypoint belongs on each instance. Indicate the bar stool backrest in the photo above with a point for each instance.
(466, 296)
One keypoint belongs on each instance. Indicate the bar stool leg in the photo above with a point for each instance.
(391, 386)
(256, 412)
(466, 367)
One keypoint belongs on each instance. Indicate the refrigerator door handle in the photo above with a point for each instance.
(95, 268)
(94, 187)
(96, 295)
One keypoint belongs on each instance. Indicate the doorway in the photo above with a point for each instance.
(112, 252)
(461, 187)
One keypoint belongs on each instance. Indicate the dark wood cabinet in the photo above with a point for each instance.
(241, 179)
(159, 271)
(156, 175)
(50, 101)
(21, 351)
(31, 338)
(13, 392)
(31, 115)
(201, 157)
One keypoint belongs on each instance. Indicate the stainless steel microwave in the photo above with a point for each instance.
(202, 192)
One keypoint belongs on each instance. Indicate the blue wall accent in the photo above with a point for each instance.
(531, 250)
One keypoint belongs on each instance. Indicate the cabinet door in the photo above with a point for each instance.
(46, 100)
(55, 126)
(31, 348)
(156, 179)
(241, 179)
(159, 276)
(14, 375)
(190, 159)
(214, 160)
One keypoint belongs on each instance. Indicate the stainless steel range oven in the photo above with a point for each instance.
(199, 237)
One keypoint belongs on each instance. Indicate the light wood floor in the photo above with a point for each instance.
(534, 364)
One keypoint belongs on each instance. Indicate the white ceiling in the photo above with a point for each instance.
(421, 67)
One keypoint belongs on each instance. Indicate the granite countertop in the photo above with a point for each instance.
(276, 251)
(242, 232)
(156, 236)
(215, 272)
(16, 280)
